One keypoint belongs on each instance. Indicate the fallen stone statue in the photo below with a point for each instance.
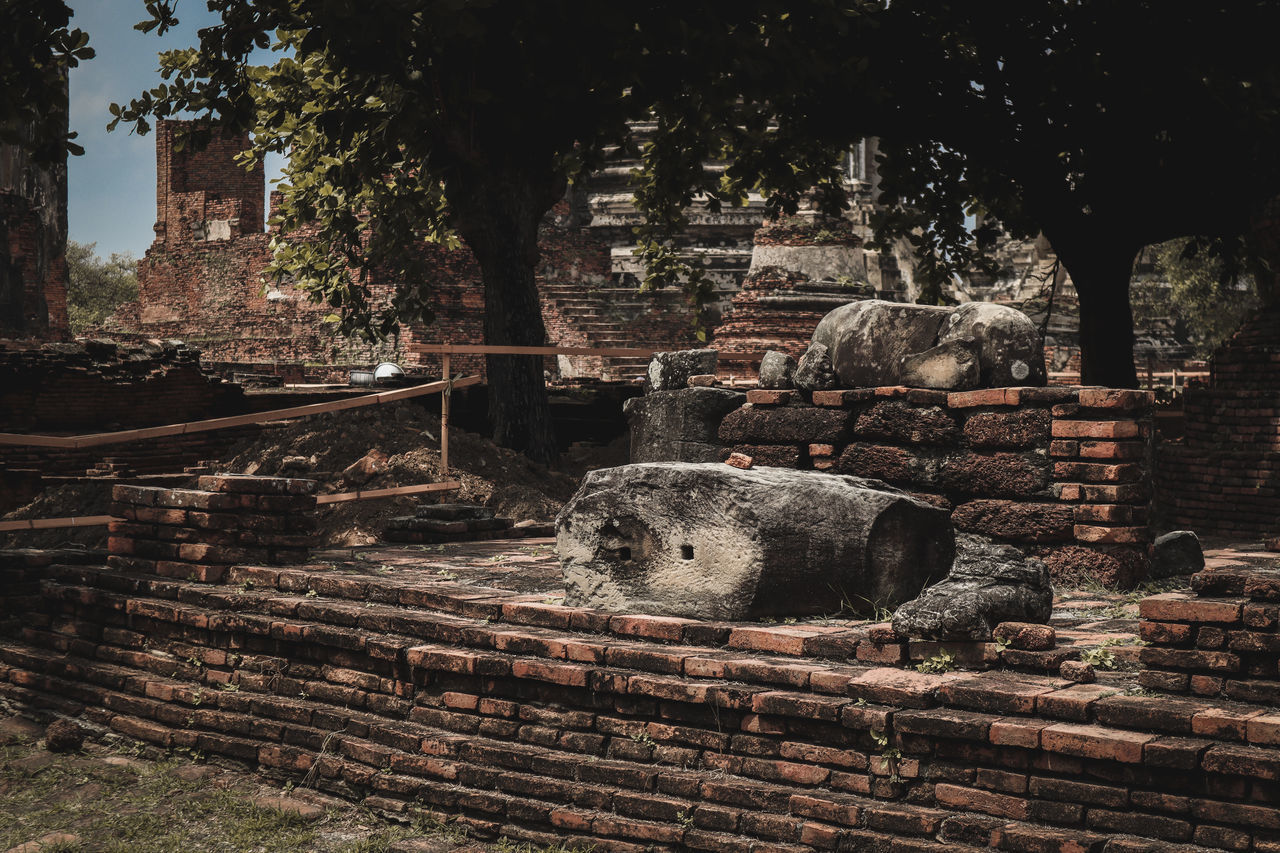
(989, 584)
(714, 542)
(976, 345)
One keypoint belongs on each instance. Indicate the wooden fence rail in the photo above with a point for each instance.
(96, 439)
(604, 352)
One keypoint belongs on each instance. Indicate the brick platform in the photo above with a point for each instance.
(1223, 639)
(1062, 472)
(197, 534)
(452, 681)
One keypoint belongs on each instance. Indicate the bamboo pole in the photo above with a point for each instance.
(369, 494)
(444, 415)
(77, 441)
(483, 349)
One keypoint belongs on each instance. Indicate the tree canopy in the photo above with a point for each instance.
(433, 120)
(1106, 124)
(95, 287)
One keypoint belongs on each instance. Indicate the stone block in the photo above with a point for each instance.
(792, 425)
(1018, 430)
(897, 420)
(1016, 521)
(679, 426)
(670, 371)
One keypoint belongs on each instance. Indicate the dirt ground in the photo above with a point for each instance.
(117, 796)
(399, 445)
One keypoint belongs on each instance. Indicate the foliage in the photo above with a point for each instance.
(37, 47)
(96, 287)
(1198, 289)
(1088, 120)
(943, 661)
(1101, 658)
(426, 122)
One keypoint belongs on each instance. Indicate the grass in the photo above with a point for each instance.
(147, 807)
(163, 813)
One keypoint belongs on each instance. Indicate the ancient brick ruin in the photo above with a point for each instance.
(33, 246)
(201, 282)
(1062, 472)
(1221, 477)
(456, 697)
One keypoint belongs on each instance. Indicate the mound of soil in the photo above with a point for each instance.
(377, 447)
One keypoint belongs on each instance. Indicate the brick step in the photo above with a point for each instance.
(778, 732)
(568, 655)
(439, 611)
(579, 782)
(622, 770)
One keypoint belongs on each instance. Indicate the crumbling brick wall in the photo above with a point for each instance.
(33, 247)
(1223, 476)
(201, 281)
(551, 724)
(1063, 473)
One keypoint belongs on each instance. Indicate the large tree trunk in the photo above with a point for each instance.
(498, 216)
(1101, 273)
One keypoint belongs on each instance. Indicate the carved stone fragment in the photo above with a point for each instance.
(777, 370)
(1176, 553)
(874, 343)
(949, 366)
(670, 371)
(814, 371)
(714, 542)
(988, 584)
(679, 426)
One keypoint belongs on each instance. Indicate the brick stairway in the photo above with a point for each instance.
(616, 317)
(401, 685)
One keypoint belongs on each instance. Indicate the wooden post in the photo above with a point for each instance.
(444, 416)
(1151, 368)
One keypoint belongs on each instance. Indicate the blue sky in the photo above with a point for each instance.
(112, 188)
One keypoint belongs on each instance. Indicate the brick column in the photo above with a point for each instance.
(197, 534)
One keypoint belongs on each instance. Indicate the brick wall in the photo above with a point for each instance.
(550, 724)
(1063, 473)
(1223, 476)
(33, 247)
(197, 534)
(98, 386)
(1222, 640)
(201, 282)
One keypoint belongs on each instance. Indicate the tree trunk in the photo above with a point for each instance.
(1101, 275)
(498, 216)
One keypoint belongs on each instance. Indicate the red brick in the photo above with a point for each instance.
(769, 397)
(1165, 633)
(1264, 729)
(1078, 792)
(1180, 607)
(982, 397)
(987, 802)
(1188, 659)
(1112, 449)
(1087, 741)
(1095, 429)
(1114, 398)
(1074, 702)
(1168, 828)
(899, 687)
(1248, 761)
(1019, 733)
(1110, 535)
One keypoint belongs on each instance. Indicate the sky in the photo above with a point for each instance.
(112, 187)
